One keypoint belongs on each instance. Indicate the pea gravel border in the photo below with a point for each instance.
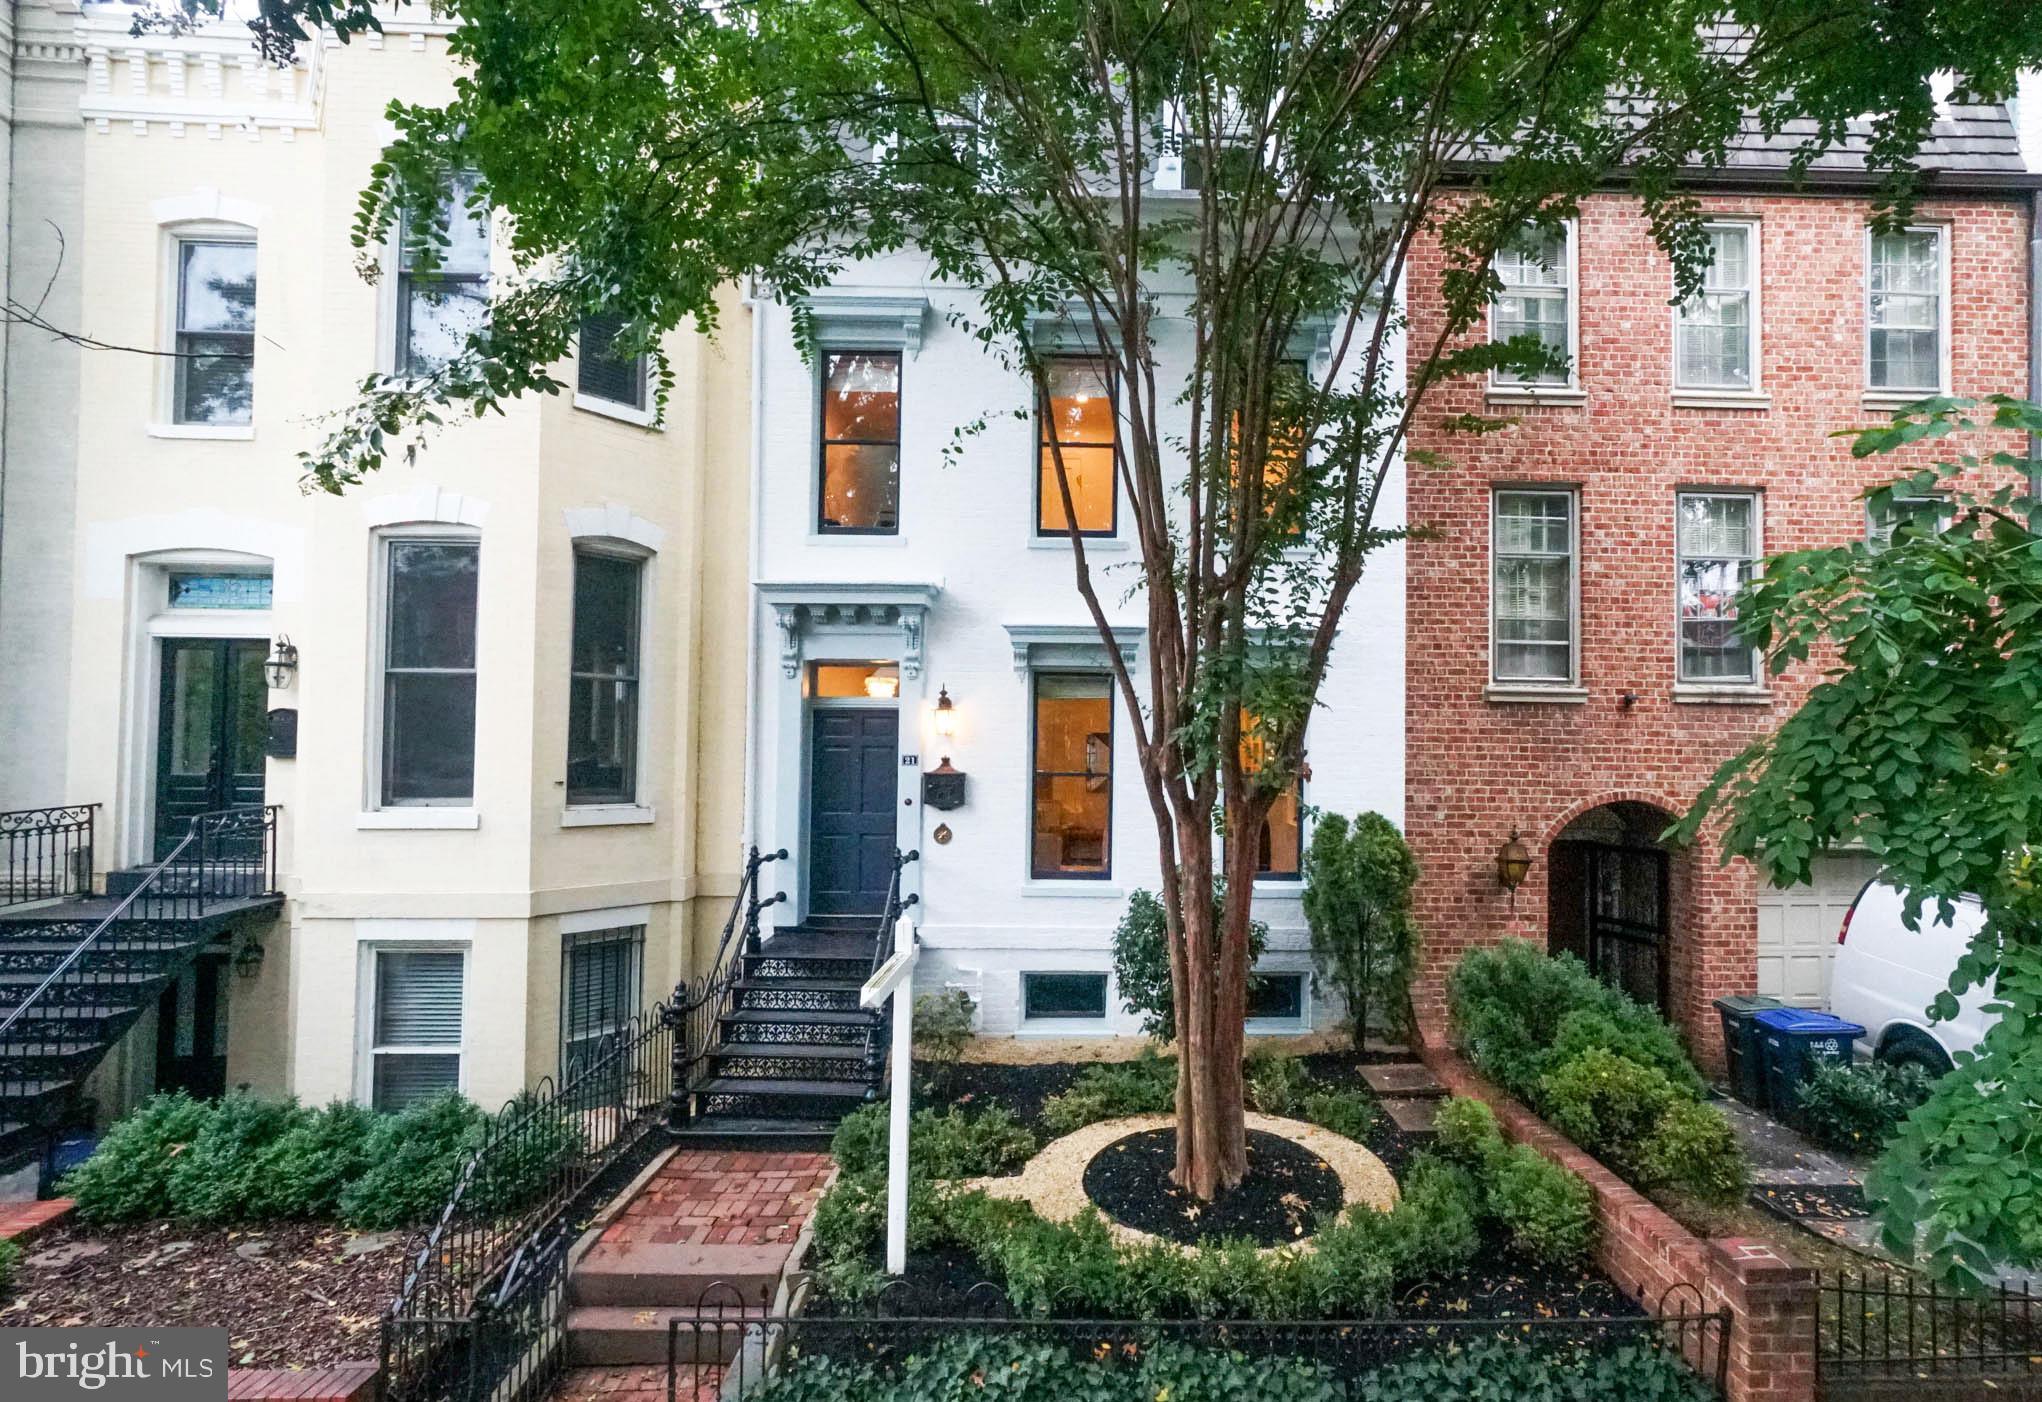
(1053, 1182)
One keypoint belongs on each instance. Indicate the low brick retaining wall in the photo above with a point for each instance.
(341, 1382)
(1771, 1301)
(21, 1222)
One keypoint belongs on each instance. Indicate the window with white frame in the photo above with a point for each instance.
(1276, 998)
(415, 1046)
(1929, 513)
(1717, 543)
(1716, 331)
(602, 703)
(1904, 311)
(428, 681)
(1533, 594)
(601, 972)
(213, 379)
(1537, 300)
(601, 373)
(1063, 995)
(444, 296)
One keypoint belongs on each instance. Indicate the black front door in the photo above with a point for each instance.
(211, 721)
(1627, 919)
(191, 1030)
(851, 796)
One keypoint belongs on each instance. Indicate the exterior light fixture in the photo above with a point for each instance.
(882, 686)
(248, 962)
(281, 662)
(1513, 864)
(946, 713)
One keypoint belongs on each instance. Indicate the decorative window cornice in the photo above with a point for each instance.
(799, 609)
(1046, 645)
(855, 319)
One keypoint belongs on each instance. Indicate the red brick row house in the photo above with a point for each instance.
(1572, 675)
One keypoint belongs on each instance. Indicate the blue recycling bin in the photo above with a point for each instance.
(1793, 1041)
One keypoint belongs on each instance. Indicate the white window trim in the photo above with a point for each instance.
(1284, 1026)
(647, 417)
(1720, 692)
(1571, 392)
(390, 284)
(426, 814)
(1880, 397)
(173, 235)
(1525, 688)
(366, 952)
(1064, 1022)
(609, 813)
(1686, 396)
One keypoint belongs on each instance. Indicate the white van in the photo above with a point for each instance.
(1886, 975)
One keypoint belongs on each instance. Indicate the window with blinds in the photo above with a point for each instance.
(1532, 590)
(1716, 331)
(1536, 300)
(600, 976)
(416, 1052)
(601, 372)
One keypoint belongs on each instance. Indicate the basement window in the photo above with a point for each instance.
(1063, 996)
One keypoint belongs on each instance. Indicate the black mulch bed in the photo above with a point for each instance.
(1286, 1189)
(1838, 1202)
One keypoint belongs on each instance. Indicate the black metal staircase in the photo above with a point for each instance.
(77, 970)
(776, 1047)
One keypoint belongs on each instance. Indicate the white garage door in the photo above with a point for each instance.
(1797, 930)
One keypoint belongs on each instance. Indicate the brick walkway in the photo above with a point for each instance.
(25, 1219)
(634, 1383)
(718, 1197)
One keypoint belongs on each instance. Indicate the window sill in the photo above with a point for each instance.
(622, 413)
(1721, 399)
(858, 539)
(1279, 886)
(1077, 887)
(1275, 1027)
(1092, 543)
(230, 433)
(1531, 394)
(1065, 1027)
(1690, 694)
(419, 819)
(1898, 398)
(607, 815)
(1535, 695)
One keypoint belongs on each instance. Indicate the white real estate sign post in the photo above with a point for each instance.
(895, 979)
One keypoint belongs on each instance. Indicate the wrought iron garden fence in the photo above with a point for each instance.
(483, 1302)
(47, 853)
(1888, 1332)
(732, 1342)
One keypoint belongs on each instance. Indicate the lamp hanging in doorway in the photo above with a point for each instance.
(1513, 864)
(281, 663)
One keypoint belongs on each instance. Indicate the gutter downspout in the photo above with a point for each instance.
(754, 558)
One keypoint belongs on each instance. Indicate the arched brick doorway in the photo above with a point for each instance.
(1610, 899)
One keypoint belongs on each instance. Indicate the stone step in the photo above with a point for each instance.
(1413, 1114)
(1401, 1078)
(612, 1335)
(683, 1274)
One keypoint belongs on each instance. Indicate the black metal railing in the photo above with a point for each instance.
(52, 1035)
(703, 1002)
(47, 853)
(1884, 1326)
(483, 1302)
(882, 950)
(732, 1342)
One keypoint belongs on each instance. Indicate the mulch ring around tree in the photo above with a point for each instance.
(1287, 1189)
(289, 1294)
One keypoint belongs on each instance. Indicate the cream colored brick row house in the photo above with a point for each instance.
(505, 765)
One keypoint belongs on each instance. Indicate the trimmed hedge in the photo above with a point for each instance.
(1857, 1107)
(245, 1159)
(1606, 1071)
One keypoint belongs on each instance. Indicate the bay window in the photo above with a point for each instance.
(428, 681)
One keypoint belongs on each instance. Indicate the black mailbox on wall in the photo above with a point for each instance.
(943, 786)
(283, 733)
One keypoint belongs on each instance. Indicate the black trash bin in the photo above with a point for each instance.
(1741, 1049)
(1795, 1040)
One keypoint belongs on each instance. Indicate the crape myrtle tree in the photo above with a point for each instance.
(1922, 744)
(645, 155)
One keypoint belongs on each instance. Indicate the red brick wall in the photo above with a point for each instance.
(1478, 768)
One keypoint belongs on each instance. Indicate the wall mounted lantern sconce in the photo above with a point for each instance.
(946, 713)
(1513, 864)
(281, 663)
(248, 962)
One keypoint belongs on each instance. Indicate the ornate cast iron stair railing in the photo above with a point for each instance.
(700, 1006)
(89, 989)
(882, 950)
(47, 853)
